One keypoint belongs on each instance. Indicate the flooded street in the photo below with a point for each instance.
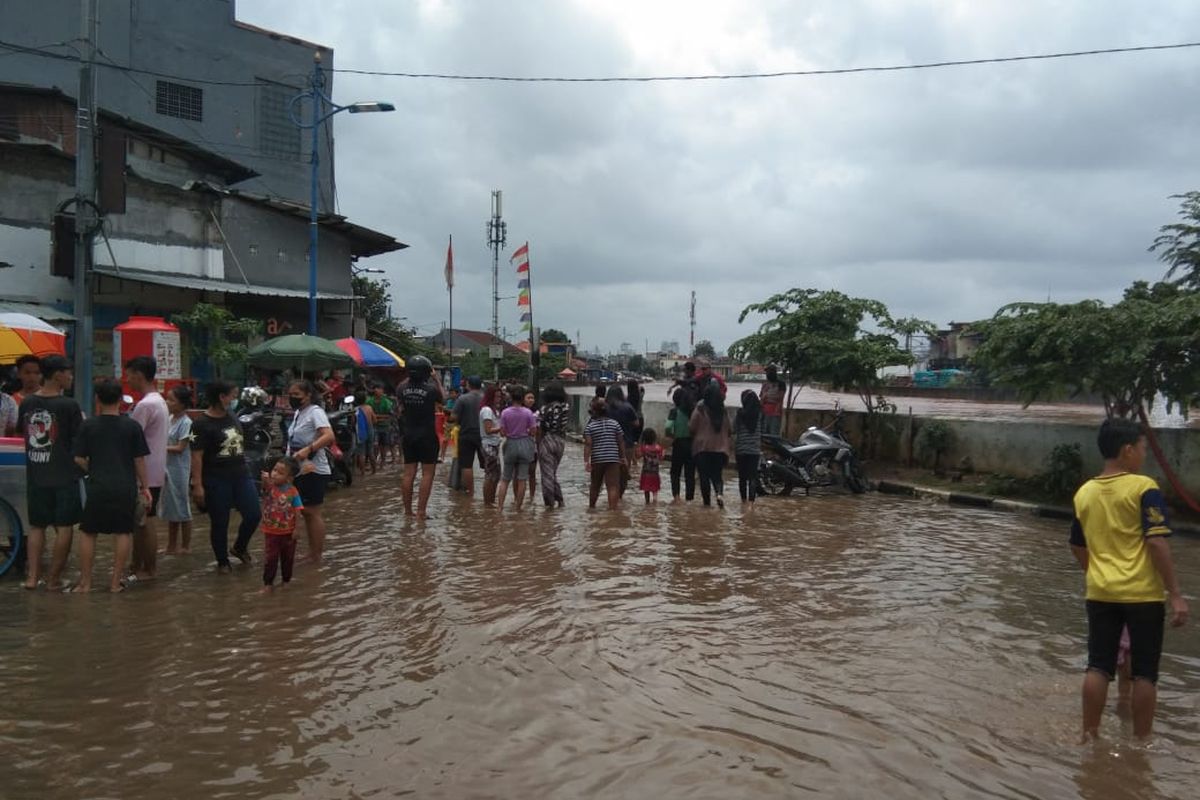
(833, 646)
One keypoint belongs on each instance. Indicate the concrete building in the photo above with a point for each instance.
(203, 176)
(188, 68)
(460, 342)
(953, 347)
(174, 231)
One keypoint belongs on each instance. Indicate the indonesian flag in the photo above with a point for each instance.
(521, 258)
(450, 264)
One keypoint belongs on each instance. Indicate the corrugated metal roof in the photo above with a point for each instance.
(39, 310)
(364, 242)
(210, 285)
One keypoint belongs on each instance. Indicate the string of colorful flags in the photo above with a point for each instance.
(520, 258)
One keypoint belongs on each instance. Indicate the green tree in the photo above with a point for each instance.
(827, 337)
(554, 336)
(372, 300)
(637, 363)
(218, 337)
(704, 348)
(513, 367)
(1178, 244)
(1127, 353)
(910, 327)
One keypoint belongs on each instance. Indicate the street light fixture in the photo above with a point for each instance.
(354, 297)
(319, 99)
(368, 107)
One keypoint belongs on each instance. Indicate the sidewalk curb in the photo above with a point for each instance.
(996, 503)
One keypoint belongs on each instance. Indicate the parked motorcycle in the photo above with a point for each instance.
(344, 423)
(257, 419)
(822, 457)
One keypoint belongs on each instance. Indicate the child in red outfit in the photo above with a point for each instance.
(281, 507)
(651, 454)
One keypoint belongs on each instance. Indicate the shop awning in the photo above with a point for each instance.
(210, 285)
(39, 310)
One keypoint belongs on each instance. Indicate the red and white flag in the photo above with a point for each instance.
(521, 258)
(450, 265)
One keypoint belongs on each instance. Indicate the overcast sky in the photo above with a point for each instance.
(944, 193)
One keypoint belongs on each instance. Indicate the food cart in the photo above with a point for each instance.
(13, 522)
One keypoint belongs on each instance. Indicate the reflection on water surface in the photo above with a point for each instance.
(833, 646)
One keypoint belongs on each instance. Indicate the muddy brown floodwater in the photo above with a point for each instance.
(834, 646)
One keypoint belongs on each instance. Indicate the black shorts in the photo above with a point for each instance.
(108, 513)
(54, 507)
(421, 448)
(1145, 622)
(311, 487)
(155, 493)
(470, 449)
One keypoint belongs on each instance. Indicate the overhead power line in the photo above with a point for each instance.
(43, 52)
(798, 73)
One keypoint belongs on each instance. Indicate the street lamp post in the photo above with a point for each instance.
(316, 93)
(354, 298)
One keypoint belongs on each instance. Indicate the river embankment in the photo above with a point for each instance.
(1001, 438)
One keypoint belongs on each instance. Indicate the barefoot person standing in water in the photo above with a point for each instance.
(308, 436)
(176, 507)
(1119, 538)
(219, 477)
(49, 423)
(112, 450)
(419, 399)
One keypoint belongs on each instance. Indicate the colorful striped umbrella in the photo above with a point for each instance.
(23, 334)
(369, 354)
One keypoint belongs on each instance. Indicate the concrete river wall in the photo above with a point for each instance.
(1011, 445)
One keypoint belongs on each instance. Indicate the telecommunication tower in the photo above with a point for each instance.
(692, 338)
(497, 239)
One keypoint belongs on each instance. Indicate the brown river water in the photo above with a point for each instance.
(832, 646)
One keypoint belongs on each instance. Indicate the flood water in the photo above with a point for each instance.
(834, 646)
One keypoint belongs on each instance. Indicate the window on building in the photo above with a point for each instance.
(277, 134)
(177, 100)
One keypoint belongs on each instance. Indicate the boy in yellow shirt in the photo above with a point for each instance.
(1119, 538)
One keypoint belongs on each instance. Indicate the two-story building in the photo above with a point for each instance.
(205, 203)
(178, 235)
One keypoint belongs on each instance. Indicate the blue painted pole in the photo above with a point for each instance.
(312, 221)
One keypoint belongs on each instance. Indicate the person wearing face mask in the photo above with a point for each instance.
(308, 436)
(220, 479)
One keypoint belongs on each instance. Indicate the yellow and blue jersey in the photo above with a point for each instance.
(1114, 515)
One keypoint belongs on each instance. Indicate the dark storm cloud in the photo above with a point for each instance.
(944, 193)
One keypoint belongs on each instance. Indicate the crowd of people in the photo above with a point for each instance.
(163, 462)
(113, 474)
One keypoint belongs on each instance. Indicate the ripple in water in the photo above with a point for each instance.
(831, 646)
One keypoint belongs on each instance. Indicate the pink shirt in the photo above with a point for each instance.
(151, 413)
(517, 422)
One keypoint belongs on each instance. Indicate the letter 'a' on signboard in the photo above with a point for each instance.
(496, 351)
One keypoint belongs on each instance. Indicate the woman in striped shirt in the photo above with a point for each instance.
(603, 454)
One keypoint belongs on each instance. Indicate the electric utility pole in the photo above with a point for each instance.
(497, 238)
(85, 197)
